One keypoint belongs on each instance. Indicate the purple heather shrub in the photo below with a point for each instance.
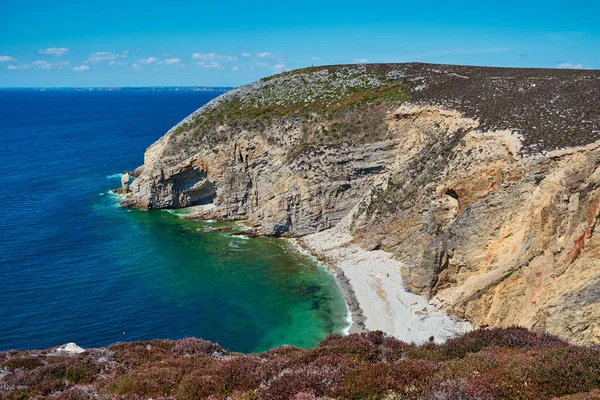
(26, 363)
(475, 341)
(76, 393)
(510, 363)
(376, 380)
(153, 382)
(460, 389)
(193, 346)
(130, 355)
(317, 381)
(593, 395)
(198, 386)
(245, 372)
(563, 371)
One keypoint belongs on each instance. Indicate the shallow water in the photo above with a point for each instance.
(76, 267)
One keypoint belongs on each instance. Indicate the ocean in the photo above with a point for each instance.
(76, 267)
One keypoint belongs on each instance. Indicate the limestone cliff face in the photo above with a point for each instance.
(484, 182)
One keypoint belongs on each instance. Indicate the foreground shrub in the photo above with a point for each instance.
(475, 341)
(130, 355)
(373, 381)
(26, 363)
(198, 386)
(155, 382)
(508, 363)
(560, 372)
(193, 346)
(309, 380)
(460, 389)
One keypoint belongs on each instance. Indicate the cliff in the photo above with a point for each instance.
(482, 365)
(483, 182)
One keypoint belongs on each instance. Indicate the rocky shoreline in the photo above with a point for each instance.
(372, 285)
(357, 317)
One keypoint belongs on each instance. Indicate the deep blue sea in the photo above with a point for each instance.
(75, 267)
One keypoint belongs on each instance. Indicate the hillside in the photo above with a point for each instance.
(482, 182)
(487, 364)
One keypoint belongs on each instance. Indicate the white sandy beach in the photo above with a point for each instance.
(377, 284)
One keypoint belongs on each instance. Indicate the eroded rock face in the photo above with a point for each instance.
(251, 179)
(503, 240)
(493, 222)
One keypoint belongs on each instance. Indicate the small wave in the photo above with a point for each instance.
(115, 197)
(346, 330)
(181, 212)
(114, 176)
(240, 237)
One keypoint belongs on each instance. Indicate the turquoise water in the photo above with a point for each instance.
(76, 267)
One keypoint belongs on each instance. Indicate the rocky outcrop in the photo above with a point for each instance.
(503, 240)
(483, 182)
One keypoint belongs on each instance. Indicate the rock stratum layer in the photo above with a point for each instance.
(483, 182)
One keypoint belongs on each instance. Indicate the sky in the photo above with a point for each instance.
(83, 43)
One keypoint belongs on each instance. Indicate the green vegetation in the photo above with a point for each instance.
(523, 101)
(331, 105)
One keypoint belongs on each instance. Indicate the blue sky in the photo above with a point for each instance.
(231, 42)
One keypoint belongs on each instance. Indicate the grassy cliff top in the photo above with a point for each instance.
(485, 364)
(549, 108)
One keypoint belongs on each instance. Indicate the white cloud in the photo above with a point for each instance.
(42, 64)
(22, 66)
(569, 66)
(148, 60)
(135, 66)
(212, 56)
(316, 58)
(6, 58)
(211, 64)
(54, 51)
(81, 68)
(171, 61)
(260, 64)
(265, 56)
(106, 56)
(361, 60)
(279, 66)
